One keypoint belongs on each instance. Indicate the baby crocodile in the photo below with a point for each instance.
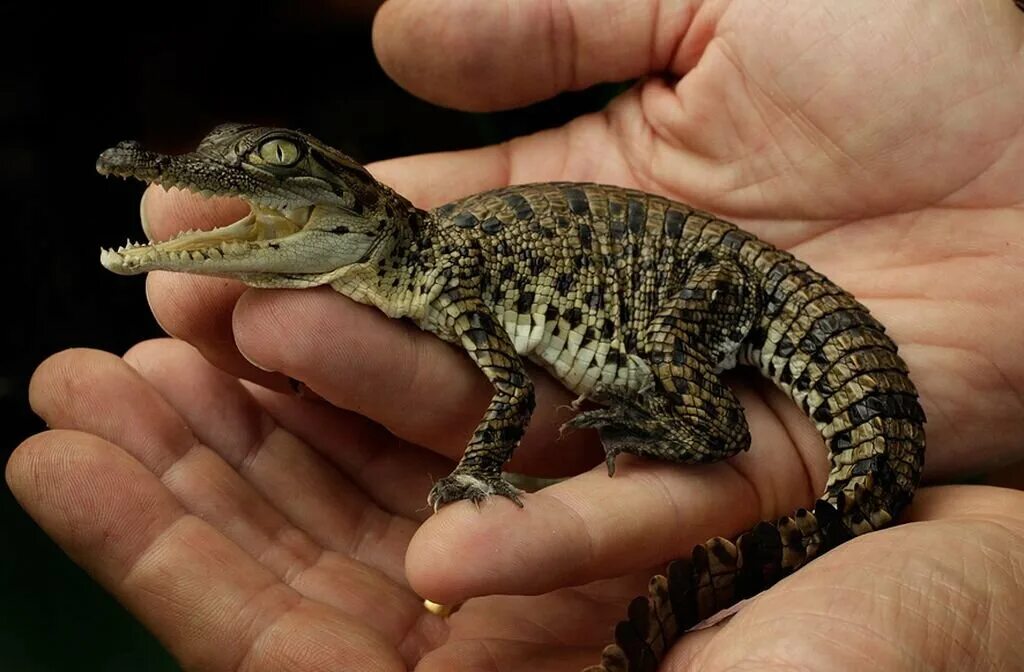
(629, 299)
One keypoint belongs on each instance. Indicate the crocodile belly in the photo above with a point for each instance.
(578, 362)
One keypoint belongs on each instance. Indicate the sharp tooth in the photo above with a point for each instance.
(198, 256)
(214, 253)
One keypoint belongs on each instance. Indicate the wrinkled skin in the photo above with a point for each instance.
(882, 142)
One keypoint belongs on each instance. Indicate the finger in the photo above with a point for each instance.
(967, 502)
(207, 600)
(430, 180)
(93, 392)
(301, 489)
(592, 527)
(360, 360)
(198, 310)
(164, 212)
(315, 437)
(194, 308)
(568, 618)
(940, 594)
(395, 474)
(469, 54)
(589, 148)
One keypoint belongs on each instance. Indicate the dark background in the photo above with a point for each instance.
(78, 79)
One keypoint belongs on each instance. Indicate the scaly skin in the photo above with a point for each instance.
(629, 299)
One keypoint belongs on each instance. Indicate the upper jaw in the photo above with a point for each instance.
(186, 171)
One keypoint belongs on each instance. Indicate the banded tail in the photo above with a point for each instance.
(718, 575)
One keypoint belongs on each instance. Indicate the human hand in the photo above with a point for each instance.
(839, 132)
(879, 142)
(254, 530)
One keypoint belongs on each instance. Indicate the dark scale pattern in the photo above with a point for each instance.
(638, 304)
(631, 300)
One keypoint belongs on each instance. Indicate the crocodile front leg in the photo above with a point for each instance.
(478, 474)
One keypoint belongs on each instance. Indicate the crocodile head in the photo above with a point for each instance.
(313, 210)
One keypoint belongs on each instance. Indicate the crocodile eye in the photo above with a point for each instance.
(279, 152)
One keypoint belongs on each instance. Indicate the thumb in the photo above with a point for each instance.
(470, 55)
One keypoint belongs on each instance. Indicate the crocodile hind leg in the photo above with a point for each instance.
(688, 415)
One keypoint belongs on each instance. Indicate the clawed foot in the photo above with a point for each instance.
(458, 486)
(599, 394)
(625, 427)
(642, 425)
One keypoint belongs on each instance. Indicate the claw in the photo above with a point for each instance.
(460, 486)
(609, 459)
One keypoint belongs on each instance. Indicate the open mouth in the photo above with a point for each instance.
(265, 223)
(255, 231)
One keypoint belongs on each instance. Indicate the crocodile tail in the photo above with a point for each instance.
(718, 574)
(825, 351)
